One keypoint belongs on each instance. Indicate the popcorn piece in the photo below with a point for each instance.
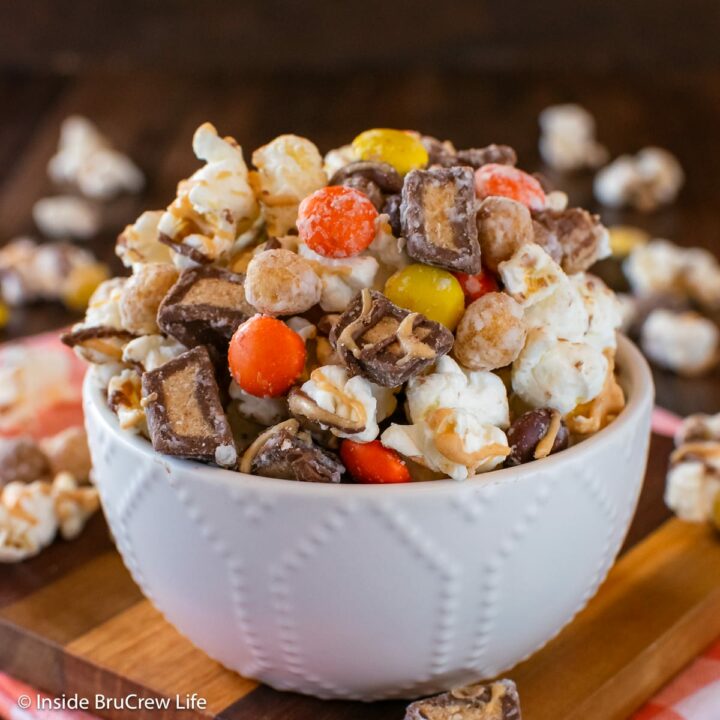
(341, 278)
(84, 157)
(125, 400)
(386, 344)
(535, 435)
(437, 214)
(645, 181)
(139, 242)
(22, 461)
(74, 505)
(685, 343)
(558, 374)
(304, 328)
(655, 268)
(491, 333)
(698, 427)
(142, 295)
(551, 302)
(265, 411)
(289, 169)
(279, 282)
(693, 481)
(338, 158)
(27, 520)
(68, 452)
(599, 412)
(66, 216)
(350, 407)
(573, 237)
(151, 351)
(494, 701)
(285, 451)
(701, 278)
(100, 338)
(214, 206)
(567, 140)
(184, 413)
(205, 307)
(456, 418)
(603, 309)
(503, 226)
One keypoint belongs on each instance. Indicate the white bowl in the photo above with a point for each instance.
(367, 591)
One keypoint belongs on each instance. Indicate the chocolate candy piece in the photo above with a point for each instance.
(98, 344)
(184, 414)
(443, 153)
(534, 435)
(22, 460)
(580, 236)
(437, 214)
(384, 343)
(392, 209)
(285, 451)
(496, 701)
(205, 307)
(382, 175)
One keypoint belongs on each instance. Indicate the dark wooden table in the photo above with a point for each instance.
(152, 115)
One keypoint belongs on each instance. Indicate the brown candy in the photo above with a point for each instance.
(384, 343)
(534, 435)
(437, 215)
(287, 452)
(392, 209)
(494, 701)
(184, 413)
(68, 451)
(22, 460)
(573, 234)
(373, 178)
(205, 307)
(98, 344)
(445, 154)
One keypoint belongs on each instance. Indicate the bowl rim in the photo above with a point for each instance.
(634, 373)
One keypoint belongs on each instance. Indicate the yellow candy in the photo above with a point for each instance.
(4, 315)
(625, 238)
(403, 151)
(81, 284)
(434, 293)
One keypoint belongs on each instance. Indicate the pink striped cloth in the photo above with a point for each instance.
(693, 695)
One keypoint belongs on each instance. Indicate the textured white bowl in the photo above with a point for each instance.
(365, 591)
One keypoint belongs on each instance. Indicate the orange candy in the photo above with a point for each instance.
(507, 181)
(373, 463)
(475, 286)
(337, 221)
(265, 356)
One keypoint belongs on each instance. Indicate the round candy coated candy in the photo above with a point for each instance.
(373, 463)
(337, 221)
(265, 356)
(475, 286)
(434, 293)
(507, 181)
(402, 150)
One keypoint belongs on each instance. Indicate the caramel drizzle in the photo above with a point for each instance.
(696, 450)
(412, 346)
(346, 336)
(341, 397)
(545, 445)
(250, 454)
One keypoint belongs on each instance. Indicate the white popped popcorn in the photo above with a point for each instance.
(214, 205)
(691, 488)
(124, 393)
(152, 351)
(73, 504)
(86, 159)
(341, 278)
(66, 216)
(655, 268)
(558, 374)
(685, 342)
(567, 140)
(603, 309)
(350, 407)
(139, 243)
(28, 522)
(289, 169)
(339, 158)
(457, 419)
(644, 181)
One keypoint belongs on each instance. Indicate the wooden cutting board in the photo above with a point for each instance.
(78, 624)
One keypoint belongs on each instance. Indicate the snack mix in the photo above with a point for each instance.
(399, 310)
